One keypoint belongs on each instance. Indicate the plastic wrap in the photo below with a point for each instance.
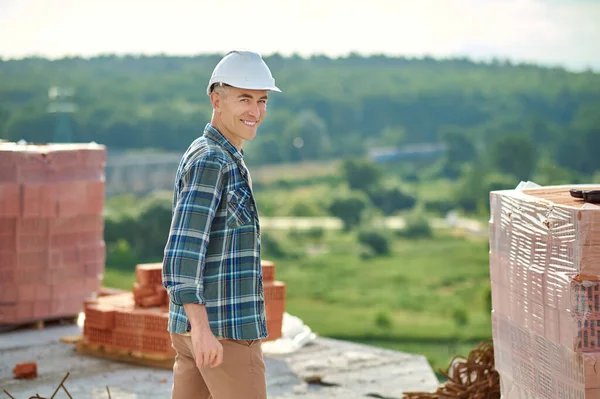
(545, 275)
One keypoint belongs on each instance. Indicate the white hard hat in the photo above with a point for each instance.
(243, 69)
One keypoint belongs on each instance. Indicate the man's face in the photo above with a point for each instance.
(240, 112)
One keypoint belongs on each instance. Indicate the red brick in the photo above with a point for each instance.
(24, 311)
(274, 290)
(127, 339)
(10, 200)
(71, 198)
(60, 241)
(65, 257)
(31, 243)
(25, 370)
(150, 301)
(64, 225)
(157, 343)
(35, 259)
(91, 173)
(99, 316)
(129, 320)
(268, 270)
(22, 275)
(8, 313)
(68, 288)
(95, 194)
(8, 243)
(94, 270)
(39, 200)
(92, 284)
(275, 309)
(8, 226)
(156, 321)
(69, 306)
(33, 226)
(26, 292)
(123, 301)
(142, 291)
(274, 329)
(56, 276)
(8, 174)
(8, 259)
(42, 309)
(90, 238)
(8, 294)
(89, 302)
(43, 292)
(149, 273)
(94, 157)
(91, 223)
(63, 159)
(33, 173)
(93, 253)
(97, 336)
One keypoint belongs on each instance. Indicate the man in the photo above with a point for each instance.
(211, 267)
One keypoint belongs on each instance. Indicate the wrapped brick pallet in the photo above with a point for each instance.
(52, 249)
(545, 273)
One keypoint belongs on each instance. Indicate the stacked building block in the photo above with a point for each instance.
(52, 249)
(274, 292)
(132, 321)
(137, 321)
(545, 275)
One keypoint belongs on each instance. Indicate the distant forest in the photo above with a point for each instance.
(337, 107)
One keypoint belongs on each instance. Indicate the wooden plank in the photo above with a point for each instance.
(72, 339)
(40, 324)
(137, 358)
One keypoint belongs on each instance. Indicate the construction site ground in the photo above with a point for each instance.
(325, 368)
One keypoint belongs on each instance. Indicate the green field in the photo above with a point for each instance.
(430, 296)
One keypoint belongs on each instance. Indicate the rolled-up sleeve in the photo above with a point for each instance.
(193, 212)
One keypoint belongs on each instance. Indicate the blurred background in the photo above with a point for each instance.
(373, 168)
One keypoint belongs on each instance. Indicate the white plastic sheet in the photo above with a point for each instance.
(295, 335)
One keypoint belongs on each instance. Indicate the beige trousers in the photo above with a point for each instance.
(241, 375)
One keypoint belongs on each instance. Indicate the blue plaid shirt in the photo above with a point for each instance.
(212, 255)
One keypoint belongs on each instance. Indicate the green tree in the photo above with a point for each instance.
(361, 174)
(460, 149)
(349, 208)
(514, 154)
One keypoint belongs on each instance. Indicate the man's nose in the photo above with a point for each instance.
(254, 110)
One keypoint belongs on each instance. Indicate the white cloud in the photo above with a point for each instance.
(547, 31)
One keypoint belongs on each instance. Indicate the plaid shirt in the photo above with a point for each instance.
(212, 255)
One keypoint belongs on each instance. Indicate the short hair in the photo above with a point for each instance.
(219, 88)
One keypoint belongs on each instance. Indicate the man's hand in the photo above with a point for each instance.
(208, 351)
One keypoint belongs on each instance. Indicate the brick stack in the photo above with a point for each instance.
(148, 290)
(132, 321)
(274, 300)
(52, 249)
(137, 321)
(545, 274)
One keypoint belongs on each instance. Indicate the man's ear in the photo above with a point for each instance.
(215, 99)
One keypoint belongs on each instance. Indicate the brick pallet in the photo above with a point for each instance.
(135, 323)
(545, 275)
(52, 249)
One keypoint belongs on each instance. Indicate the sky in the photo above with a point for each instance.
(547, 32)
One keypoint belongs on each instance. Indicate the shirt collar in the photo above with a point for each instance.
(213, 133)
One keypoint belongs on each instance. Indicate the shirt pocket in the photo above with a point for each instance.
(239, 211)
